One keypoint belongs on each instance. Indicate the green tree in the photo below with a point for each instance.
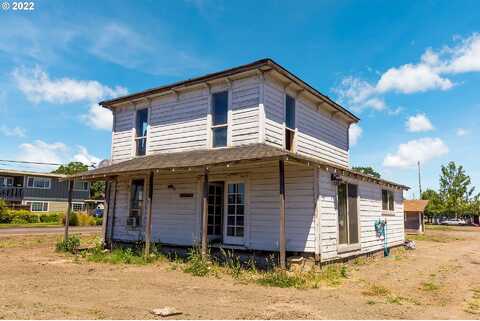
(435, 205)
(96, 188)
(71, 168)
(455, 191)
(367, 170)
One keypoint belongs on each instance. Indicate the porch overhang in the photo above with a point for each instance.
(198, 160)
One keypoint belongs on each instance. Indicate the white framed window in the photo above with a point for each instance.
(38, 206)
(78, 207)
(289, 122)
(141, 130)
(6, 181)
(388, 200)
(81, 186)
(39, 182)
(220, 119)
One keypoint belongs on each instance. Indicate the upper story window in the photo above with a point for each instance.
(219, 119)
(6, 181)
(289, 122)
(141, 128)
(80, 186)
(388, 200)
(39, 182)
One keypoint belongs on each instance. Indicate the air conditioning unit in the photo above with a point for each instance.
(133, 221)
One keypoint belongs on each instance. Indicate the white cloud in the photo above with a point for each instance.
(58, 153)
(430, 73)
(98, 117)
(410, 78)
(410, 153)
(354, 134)
(84, 157)
(418, 123)
(37, 86)
(462, 132)
(13, 131)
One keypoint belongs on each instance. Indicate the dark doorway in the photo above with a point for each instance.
(215, 211)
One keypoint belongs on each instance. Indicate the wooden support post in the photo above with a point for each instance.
(69, 209)
(108, 186)
(205, 214)
(148, 232)
(283, 263)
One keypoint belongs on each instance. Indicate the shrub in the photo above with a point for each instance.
(70, 245)
(6, 217)
(197, 264)
(79, 219)
(18, 220)
(98, 221)
(25, 215)
(49, 218)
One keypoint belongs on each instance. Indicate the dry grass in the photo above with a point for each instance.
(473, 304)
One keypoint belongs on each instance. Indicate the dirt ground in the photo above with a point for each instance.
(438, 280)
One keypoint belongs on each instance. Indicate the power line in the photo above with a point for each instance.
(28, 162)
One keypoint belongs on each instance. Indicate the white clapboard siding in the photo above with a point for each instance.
(122, 134)
(179, 124)
(274, 114)
(370, 210)
(176, 220)
(244, 107)
(321, 136)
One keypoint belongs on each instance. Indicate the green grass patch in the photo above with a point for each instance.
(430, 286)
(27, 225)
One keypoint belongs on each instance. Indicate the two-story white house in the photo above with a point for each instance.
(251, 157)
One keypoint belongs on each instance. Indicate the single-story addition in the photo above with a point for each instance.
(414, 216)
(251, 158)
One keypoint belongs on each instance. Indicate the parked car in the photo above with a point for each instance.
(454, 221)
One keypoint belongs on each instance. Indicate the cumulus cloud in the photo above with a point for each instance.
(354, 133)
(430, 73)
(13, 131)
(57, 152)
(408, 154)
(418, 123)
(37, 86)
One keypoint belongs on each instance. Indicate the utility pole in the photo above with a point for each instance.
(419, 181)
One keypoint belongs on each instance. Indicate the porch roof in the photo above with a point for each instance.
(221, 156)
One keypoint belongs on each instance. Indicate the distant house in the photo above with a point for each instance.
(414, 215)
(250, 158)
(41, 192)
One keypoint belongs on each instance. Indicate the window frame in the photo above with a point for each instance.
(390, 204)
(34, 178)
(82, 189)
(236, 240)
(223, 125)
(137, 139)
(143, 206)
(30, 203)
(348, 247)
(289, 131)
(78, 203)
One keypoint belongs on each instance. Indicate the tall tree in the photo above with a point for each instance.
(368, 170)
(455, 190)
(435, 205)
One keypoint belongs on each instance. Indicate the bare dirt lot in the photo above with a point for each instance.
(439, 280)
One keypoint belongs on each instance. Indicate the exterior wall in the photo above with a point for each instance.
(177, 220)
(413, 221)
(369, 211)
(58, 191)
(53, 206)
(180, 123)
(319, 135)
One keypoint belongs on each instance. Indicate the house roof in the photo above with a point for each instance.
(29, 173)
(211, 157)
(262, 64)
(414, 205)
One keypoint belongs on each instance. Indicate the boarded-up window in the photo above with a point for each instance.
(347, 214)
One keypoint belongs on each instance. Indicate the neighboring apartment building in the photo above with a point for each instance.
(251, 158)
(41, 192)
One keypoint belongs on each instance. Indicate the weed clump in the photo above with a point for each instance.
(70, 245)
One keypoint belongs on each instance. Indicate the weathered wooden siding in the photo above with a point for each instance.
(318, 134)
(244, 111)
(122, 134)
(321, 136)
(370, 210)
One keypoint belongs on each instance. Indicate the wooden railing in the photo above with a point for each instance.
(11, 193)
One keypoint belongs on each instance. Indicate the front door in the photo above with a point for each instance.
(234, 224)
(215, 211)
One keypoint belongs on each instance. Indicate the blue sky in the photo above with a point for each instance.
(409, 71)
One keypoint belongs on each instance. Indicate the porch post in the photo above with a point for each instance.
(106, 208)
(205, 214)
(148, 232)
(69, 208)
(283, 264)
